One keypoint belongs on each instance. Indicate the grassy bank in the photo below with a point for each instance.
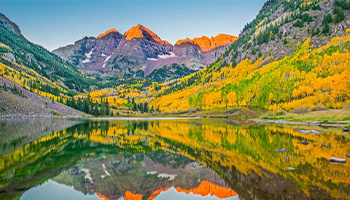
(331, 115)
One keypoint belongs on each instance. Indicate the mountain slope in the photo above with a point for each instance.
(140, 31)
(139, 52)
(314, 72)
(16, 50)
(4, 21)
(292, 57)
(281, 25)
(20, 102)
(42, 78)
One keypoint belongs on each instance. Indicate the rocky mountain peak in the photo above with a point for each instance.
(113, 30)
(140, 31)
(140, 51)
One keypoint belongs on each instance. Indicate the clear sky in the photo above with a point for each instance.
(56, 23)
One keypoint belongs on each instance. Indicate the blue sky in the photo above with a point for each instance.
(56, 23)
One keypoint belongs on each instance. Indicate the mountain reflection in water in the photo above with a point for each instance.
(169, 159)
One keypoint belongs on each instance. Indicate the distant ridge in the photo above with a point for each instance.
(207, 44)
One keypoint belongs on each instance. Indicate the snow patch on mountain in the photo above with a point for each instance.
(165, 56)
(86, 61)
(88, 56)
(105, 62)
(170, 177)
(87, 174)
(105, 170)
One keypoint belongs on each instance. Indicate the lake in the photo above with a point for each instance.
(170, 159)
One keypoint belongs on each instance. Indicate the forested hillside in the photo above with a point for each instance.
(16, 50)
(312, 74)
(42, 72)
(307, 78)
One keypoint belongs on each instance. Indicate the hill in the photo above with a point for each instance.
(18, 102)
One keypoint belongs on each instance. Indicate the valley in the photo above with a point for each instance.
(221, 100)
(293, 58)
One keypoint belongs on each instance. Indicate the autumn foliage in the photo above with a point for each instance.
(307, 78)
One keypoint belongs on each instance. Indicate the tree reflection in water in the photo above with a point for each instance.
(142, 159)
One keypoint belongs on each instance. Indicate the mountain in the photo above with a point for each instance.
(293, 57)
(32, 78)
(17, 52)
(281, 25)
(206, 44)
(140, 31)
(5, 22)
(139, 52)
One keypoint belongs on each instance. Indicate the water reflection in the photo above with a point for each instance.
(133, 159)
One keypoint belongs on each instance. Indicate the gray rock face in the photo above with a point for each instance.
(9, 24)
(30, 104)
(138, 51)
(10, 56)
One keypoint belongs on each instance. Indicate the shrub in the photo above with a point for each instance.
(326, 29)
(344, 4)
(307, 18)
(339, 15)
(299, 24)
(253, 51)
(332, 49)
(281, 112)
(4, 50)
(55, 113)
(327, 19)
(347, 106)
(301, 110)
(318, 108)
(316, 7)
(315, 31)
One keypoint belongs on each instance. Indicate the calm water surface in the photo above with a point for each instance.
(173, 159)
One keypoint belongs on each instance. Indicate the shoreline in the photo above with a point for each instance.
(339, 124)
(325, 119)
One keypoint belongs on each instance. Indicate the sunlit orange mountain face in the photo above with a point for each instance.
(207, 44)
(140, 31)
(113, 30)
(188, 159)
(204, 189)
